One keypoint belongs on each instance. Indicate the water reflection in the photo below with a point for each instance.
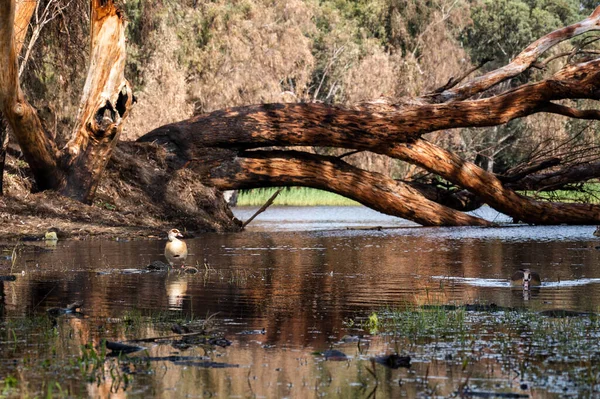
(302, 287)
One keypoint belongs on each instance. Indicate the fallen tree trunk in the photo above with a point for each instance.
(293, 168)
(395, 130)
(491, 190)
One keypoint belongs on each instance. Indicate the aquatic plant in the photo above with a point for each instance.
(293, 196)
(558, 353)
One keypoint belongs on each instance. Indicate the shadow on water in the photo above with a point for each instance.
(299, 283)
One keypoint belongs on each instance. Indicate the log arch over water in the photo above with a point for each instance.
(222, 146)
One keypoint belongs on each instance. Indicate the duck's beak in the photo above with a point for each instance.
(526, 280)
(179, 235)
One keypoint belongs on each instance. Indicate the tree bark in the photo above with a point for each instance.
(38, 149)
(105, 103)
(373, 127)
(107, 97)
(518, 65)
(293, 168)
(487, 186)
(3, 148)
(395, 130)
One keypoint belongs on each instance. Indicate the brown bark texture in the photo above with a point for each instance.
(74, 170)
(396, 130)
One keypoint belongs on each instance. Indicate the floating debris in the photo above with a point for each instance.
(157, 265)
(71, 308)
(393, 361)
(482, 394)
(253, 332)
(179, 329)
(335, 355)
(350, 338)
(222, 342)
(120, 348)
(564, 313)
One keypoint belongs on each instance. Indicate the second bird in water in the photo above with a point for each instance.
(526, 278)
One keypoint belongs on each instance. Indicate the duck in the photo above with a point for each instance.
(597, 231)
(51, 234)
(525, 278)
(175, 250)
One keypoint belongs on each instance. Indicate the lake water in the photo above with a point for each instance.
(284, 292)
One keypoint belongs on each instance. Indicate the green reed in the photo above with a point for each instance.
(293, 196)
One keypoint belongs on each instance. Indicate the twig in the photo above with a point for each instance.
(262, 208)
(454, 81)
(154, 339)
(347, 154)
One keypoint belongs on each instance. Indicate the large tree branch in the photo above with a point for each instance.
(486, 185)
(519, 64)
(292, 168)
(367, 128)
(556, 179)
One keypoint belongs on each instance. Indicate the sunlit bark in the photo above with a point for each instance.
(293, 168)
(105, 103)
(75, 170)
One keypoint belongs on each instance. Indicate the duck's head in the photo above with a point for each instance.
(174, 233)
(526, 278)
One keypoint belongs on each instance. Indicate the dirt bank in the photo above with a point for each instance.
(139, 196)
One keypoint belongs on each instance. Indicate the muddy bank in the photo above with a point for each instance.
(140, 195)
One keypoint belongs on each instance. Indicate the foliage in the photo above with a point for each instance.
(502, 28)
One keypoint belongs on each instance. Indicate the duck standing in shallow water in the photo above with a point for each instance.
(175, 250)
(525, 278)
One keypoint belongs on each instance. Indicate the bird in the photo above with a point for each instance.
(175, 250)
(525, 278)
(597, 231)
(51, 234)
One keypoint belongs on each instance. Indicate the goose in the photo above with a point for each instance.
(526, 278)
(175, 250)
(597, 231)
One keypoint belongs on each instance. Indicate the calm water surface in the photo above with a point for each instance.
(308, 277)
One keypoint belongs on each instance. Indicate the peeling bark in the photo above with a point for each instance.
(105, 103)
(107, 97)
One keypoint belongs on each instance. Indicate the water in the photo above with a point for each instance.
(308, 277)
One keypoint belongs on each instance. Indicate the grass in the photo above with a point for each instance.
(588, 193)
(293, 196)
(304, 196)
